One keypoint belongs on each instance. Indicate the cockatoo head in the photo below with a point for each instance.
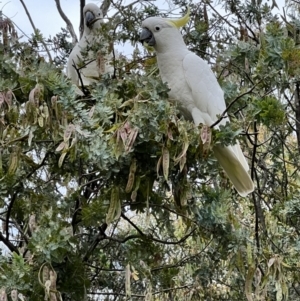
(93, 16)
(157, 32)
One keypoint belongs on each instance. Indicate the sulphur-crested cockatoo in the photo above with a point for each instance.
(87, 60)
(195, 90)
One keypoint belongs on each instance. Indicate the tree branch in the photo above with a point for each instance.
(223, 115)
(81, 25)
(10, 246)
(105, 6)
(132, 224)
(68, 22)
(13, 198)
(143, 296)
(35, 30)
(297, 113)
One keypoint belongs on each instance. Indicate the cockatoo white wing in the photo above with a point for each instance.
(206, 91)
(87, 66)
(72, 65)
(209, 104)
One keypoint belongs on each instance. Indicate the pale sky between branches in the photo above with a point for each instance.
(46, 17)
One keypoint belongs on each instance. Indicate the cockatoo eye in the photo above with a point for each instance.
(157, 28)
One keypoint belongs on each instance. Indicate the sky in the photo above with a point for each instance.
(44, 14)
(46, 17)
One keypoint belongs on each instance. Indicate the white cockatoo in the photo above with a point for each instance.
(87, 60)
(195, 90)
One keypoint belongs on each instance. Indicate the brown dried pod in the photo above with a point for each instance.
(45, 274)
(3, 295)
(32, 223)
(14, 295)
(165, 162)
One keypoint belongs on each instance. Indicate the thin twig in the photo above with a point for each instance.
(68, 22)
(224, 19)
(223, 115)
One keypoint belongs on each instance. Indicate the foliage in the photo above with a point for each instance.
(112, 195)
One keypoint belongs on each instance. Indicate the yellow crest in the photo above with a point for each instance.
(182, 21)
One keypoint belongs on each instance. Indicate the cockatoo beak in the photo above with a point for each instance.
(146, 36)
(90, 18)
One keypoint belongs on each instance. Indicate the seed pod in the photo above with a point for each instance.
(30, 111)
(148, 296)
(53, 297)
(53, 278)
(158, 165)
(1, 166)
(4, 133)
(45, 274)
(14, 295)
(61, 159)
(131, 176)
(46, 111)
(205, 133)
(31, 97)
(40, 89)
(111, 212)
(21, 297)
(62, 145)
(47, 288)
(114, 206)
(36, 114)
(68, 132)
(30, 137)
(133, 166)
(13, 162)
(41, 121)
(206, 139)
(8, 97)
(182, 162)
(3, 295)
(127, 281)
(32, 223)
(165, 162)
(129, 182)
(54, 101)
(118, 209)
(133, 195)
(73, 141)
(184, 149)
(13, 114)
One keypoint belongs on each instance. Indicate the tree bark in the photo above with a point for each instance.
(297, 113)
(81, 25)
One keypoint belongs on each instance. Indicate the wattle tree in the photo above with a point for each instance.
(110, 194)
